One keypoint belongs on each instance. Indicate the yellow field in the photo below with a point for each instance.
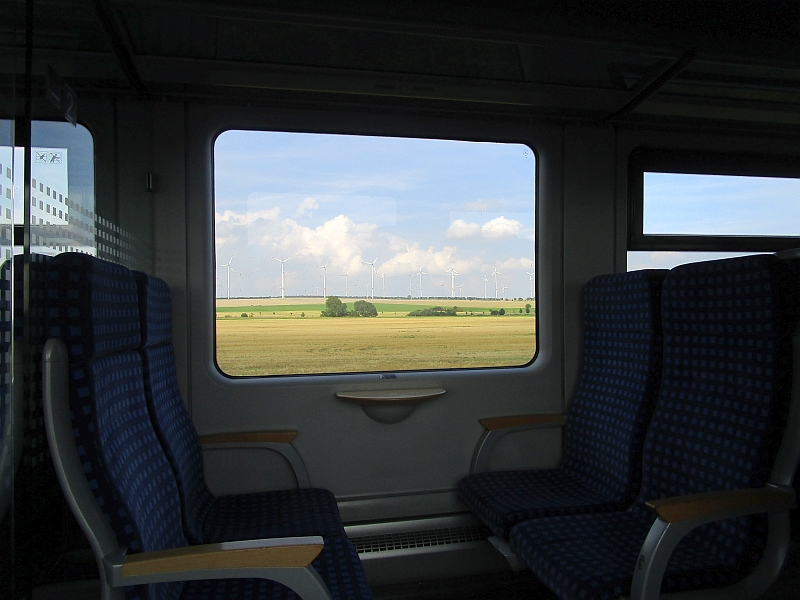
(274, 346)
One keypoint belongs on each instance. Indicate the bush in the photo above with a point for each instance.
(243, 314)
(436, 311)
(334, 308)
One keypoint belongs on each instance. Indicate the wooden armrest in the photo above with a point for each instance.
(249, 437)
(682, 508)
(269, 554)
(495, 423)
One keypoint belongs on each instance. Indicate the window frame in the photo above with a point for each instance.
(379, 133)
(644, 159)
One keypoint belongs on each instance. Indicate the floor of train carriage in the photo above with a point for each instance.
(501, 586)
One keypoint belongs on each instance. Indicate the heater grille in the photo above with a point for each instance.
(419, 539)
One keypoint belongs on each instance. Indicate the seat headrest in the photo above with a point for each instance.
(745, 296)
(91, 305)
(624, 301)
(155, 309)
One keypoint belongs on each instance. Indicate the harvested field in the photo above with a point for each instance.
(276, 344)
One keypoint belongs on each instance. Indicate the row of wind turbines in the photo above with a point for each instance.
(373, 271)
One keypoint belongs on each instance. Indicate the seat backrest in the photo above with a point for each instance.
(726, 387)
(168, 413)
(619, 381)
(727, 378)
(92, 306)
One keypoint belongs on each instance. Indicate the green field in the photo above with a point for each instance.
(277, 340)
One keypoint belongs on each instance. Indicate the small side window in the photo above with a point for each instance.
(688, 206)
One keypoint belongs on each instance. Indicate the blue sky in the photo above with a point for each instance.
(342, 200)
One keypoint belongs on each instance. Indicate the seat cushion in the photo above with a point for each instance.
(592, 557)
(285, 513)
(501, 499)
(338, 565)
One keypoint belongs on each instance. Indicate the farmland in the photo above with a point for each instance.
(284, 336)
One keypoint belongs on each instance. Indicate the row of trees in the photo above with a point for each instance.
(334, 307)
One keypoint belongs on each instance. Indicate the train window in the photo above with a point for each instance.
(687, 206)
(345, 253)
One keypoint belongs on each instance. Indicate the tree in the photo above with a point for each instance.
(362, 308)
(334, 307)
(528, 309)
(502, 311)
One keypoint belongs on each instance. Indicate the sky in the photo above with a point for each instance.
(342, 200)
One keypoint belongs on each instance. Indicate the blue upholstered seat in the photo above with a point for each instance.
(607, 419)
(209, 519)
(92, 306)
(719, 418)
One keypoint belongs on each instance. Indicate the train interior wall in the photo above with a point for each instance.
(386, 477)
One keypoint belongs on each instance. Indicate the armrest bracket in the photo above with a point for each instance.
(691, 512)
(497, 428)
(277, 441)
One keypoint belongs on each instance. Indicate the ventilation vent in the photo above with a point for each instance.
(418, 539)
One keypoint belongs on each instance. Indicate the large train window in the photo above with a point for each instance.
(345, 253)
(689, 206)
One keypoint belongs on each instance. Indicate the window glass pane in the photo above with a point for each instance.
(63, 164)
(390, 227)
(691, 204)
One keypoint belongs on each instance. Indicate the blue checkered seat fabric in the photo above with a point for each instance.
(209, 519)
(144, 479)
(717, 425)
(608, 416)
(92, 306)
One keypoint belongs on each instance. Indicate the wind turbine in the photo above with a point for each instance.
(283, 289)
(485, 281)
(496, 273)
(372, 274)
(531, 280)
(410, 283)
(420, 273)
(453, 273)
(460, 290)
(346, 291)
(383, 283)
(505, 287)
(230, 268)
(324, 284)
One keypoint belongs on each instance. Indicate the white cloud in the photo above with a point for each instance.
(306, 206)
(496, 229)
(522, 263)
(339, 241)
(460, 229)
(248, 217)
(500, 228)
